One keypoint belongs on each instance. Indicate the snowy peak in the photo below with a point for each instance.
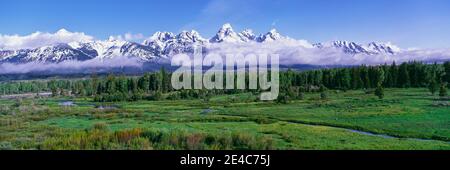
(354, 48)
(143, 52)
(382, 47)
(157, 40)
(162, 36)
(227, 26)
(226, 34)
(6, 53)
(162, 45)
(62, 31)
(190, 37)
(182, 43)
(103, 49)
(247, 35)
(349, 47)
(272, 35)
(55, 53)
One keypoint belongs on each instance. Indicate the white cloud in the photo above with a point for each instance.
(300, 52)
(290, 51)
(38, 39)
(129, 37)
(98, 64)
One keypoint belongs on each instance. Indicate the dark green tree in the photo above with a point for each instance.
(403, 77)
(379, 91)
(432, 86)
(282, 98)
(443, 90)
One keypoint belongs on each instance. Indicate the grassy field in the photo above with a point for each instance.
(404, 119)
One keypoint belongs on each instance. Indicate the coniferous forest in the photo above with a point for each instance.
(153, 85)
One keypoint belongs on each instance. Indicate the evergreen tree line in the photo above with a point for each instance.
(405, 75)
(292, 83)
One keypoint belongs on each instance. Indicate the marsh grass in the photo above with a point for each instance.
(234, 122)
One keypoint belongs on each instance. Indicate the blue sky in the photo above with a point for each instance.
(407, 23)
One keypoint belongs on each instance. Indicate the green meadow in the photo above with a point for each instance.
(406, 119)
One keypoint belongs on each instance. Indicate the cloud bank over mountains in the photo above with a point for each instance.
(39, 39)
(76, 50)
(70, 66)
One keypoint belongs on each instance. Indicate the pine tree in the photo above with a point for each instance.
(380, 76)
(379, 91)
(144, 82)
(323, 93)
(432, 86)
(165, 80)
(73, 90)
(93, 84)
(403, 78)
(443, 90)
(387, 76)
(356, 78)
(446, 66)
(365, 77)
(432, 77)
(54, 91)
(110, 84)
(346, 79)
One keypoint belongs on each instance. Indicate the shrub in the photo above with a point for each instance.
(18, 102)
(264, 143)
(127, 135)
(194, 141)
(282, 98)
(155, 96)
(153, 136)
(322, 88)
(4, 110)
(137, 95)
(323, 95)
(242, 141)
(301, 96)
(293, 92)
(263, 120)
(151, 139)
(225, 142)
(379, 92)
(139, 143)
(174, 96)
(206, 95)
(369, 91)
(210, 140)
(5, 145)
(100, 126)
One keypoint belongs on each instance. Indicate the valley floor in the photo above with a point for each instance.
(410, 119)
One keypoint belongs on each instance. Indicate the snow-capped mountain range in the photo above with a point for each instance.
(162, 45)
(354, 48)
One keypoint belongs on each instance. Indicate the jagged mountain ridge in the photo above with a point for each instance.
(162, 45)
(354, 48)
